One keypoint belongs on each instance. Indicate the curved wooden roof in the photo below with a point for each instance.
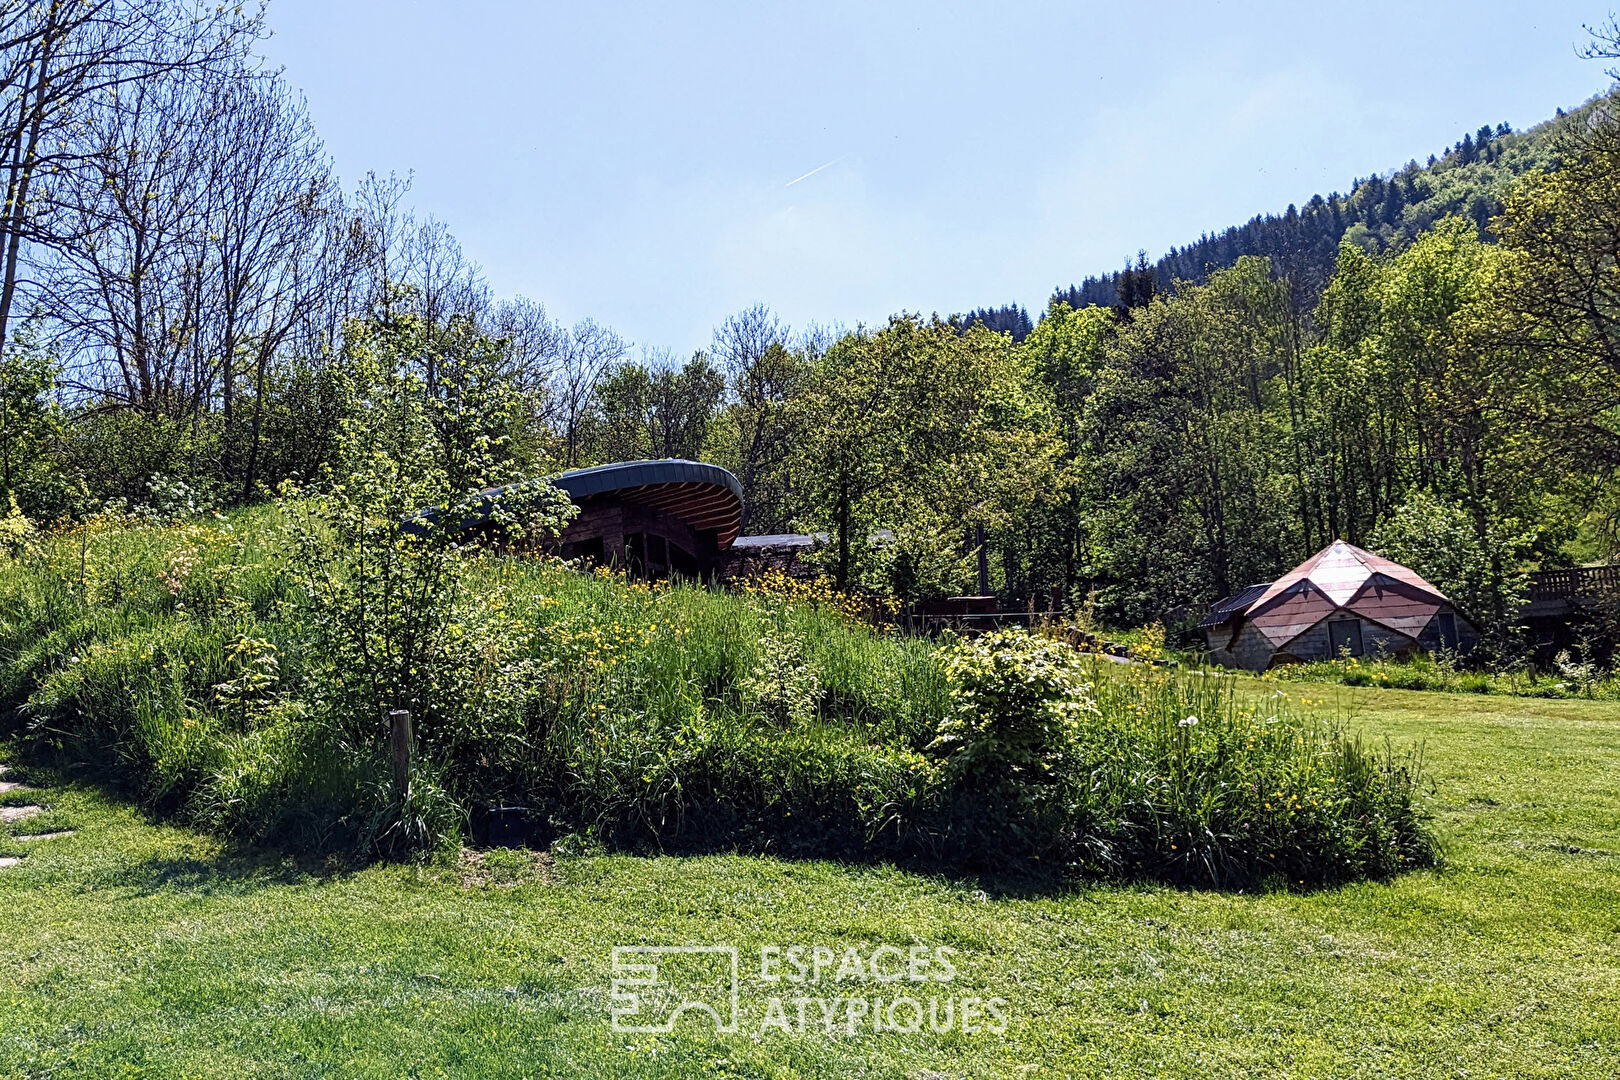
(704, 496)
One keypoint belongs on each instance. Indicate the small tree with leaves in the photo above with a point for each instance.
(30, 421)
(377, 538)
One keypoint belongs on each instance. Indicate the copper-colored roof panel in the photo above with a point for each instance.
(1409, 625)
(1292, 613)
(1340, 570)
(1395, 603)
(1340, 577)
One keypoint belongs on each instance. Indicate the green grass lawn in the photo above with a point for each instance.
(137, 949)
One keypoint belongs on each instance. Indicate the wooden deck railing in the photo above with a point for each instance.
(1579, 581)
(972, 621)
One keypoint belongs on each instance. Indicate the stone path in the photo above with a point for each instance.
(9, 785)
(11, 814)
(15, 813)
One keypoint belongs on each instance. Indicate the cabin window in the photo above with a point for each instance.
(1345, 637)
(1446, 623)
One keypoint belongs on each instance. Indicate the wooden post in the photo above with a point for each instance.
(399, 745)
(984, 559)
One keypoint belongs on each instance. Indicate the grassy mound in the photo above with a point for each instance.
(183, 660)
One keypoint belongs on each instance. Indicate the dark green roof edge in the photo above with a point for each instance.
(606, 479)
(580, 484)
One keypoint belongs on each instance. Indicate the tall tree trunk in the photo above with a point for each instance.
(250, 475)
(843, 534)
(21, 173)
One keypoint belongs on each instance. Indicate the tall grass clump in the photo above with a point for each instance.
(1187, 779)
(1135, 771)
(681, 716)
(170, 659)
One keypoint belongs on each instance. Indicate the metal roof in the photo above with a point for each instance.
(1232, 605)
(1341, 569)
(779, 540)
(1339, 578)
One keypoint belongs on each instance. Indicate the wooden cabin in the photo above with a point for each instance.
(651, 518)
(1341, 602)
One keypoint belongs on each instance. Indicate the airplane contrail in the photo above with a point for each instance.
(815, 170)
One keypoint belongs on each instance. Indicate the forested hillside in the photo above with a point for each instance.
(1468, 180)
(1008, 319)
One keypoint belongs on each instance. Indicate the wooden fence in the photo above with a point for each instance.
(1574, 583)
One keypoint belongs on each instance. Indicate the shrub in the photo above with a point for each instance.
(1018, 704)
(18, 537)
(782, 686)
(1149, 644)
(1140, 772)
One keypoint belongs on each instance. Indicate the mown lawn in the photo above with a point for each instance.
(136, 949)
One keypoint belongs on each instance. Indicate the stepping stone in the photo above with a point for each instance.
(8, 861)
(13, 785)
(57, 835)
(18, 813)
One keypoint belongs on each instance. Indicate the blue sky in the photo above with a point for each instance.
(646, 164)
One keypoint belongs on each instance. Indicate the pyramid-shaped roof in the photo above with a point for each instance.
(1340, 570)
(1344, 577)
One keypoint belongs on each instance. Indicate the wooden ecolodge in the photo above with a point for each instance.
(1342, 601)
